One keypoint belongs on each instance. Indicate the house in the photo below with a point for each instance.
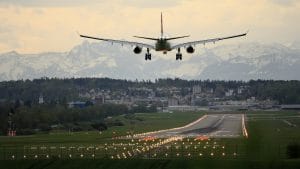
(76, 104)
(41, 99)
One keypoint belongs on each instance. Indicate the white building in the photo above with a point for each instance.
(173, 102)
(229, 93)
(41, 99)
(196, 89)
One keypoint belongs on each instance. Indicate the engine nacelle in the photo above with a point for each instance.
(137, 50)
(190, 49)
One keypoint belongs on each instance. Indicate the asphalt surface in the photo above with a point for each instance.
(213, 126)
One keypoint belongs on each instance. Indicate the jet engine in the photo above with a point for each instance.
(190, 49)
(137, 50)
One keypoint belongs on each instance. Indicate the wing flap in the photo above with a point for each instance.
(192, 43)
(122, 42)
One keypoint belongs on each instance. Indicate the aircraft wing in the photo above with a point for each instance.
(206, 41)
(122, 42)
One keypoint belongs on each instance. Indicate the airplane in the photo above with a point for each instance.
(162, 43)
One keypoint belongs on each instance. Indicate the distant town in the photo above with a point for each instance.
(164, 95)
(168, 99)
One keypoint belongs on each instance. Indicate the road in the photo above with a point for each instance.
(213, 126)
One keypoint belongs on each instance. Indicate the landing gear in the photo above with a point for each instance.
(178, 55)
(148, 55)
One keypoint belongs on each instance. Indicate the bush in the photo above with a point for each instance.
(26, 132)
(293, 150)
(116, 122)
(99, 126)
(44, 127)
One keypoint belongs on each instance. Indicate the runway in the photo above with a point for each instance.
(212, 126)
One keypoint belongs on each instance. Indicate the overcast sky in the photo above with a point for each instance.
(31, 26)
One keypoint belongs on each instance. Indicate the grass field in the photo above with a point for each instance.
(146, 122)
(150, 164)
(269, 135)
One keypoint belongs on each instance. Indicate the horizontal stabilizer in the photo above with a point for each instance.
(178, 37)
(142, 37)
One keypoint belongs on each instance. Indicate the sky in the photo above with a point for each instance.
(34, 26)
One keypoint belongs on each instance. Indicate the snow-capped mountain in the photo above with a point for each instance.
(230, 62)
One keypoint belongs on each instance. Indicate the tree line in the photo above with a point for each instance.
(62, 90)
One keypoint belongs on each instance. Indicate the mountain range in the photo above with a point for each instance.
(243, 61)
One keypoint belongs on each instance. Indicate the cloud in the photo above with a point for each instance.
(72, 3)
(152, 3)
(8, 37)
(31, 26)
(285, 2)
(46, 3)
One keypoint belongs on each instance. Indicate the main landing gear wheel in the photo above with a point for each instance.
(148, 55)
(178, 55)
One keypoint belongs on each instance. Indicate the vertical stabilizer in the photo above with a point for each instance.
(161, 26)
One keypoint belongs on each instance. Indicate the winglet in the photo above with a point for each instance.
(78, 33)
(247, 32)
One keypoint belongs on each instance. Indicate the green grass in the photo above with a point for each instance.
(150, 122)
(269, 135)
(150, 164)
